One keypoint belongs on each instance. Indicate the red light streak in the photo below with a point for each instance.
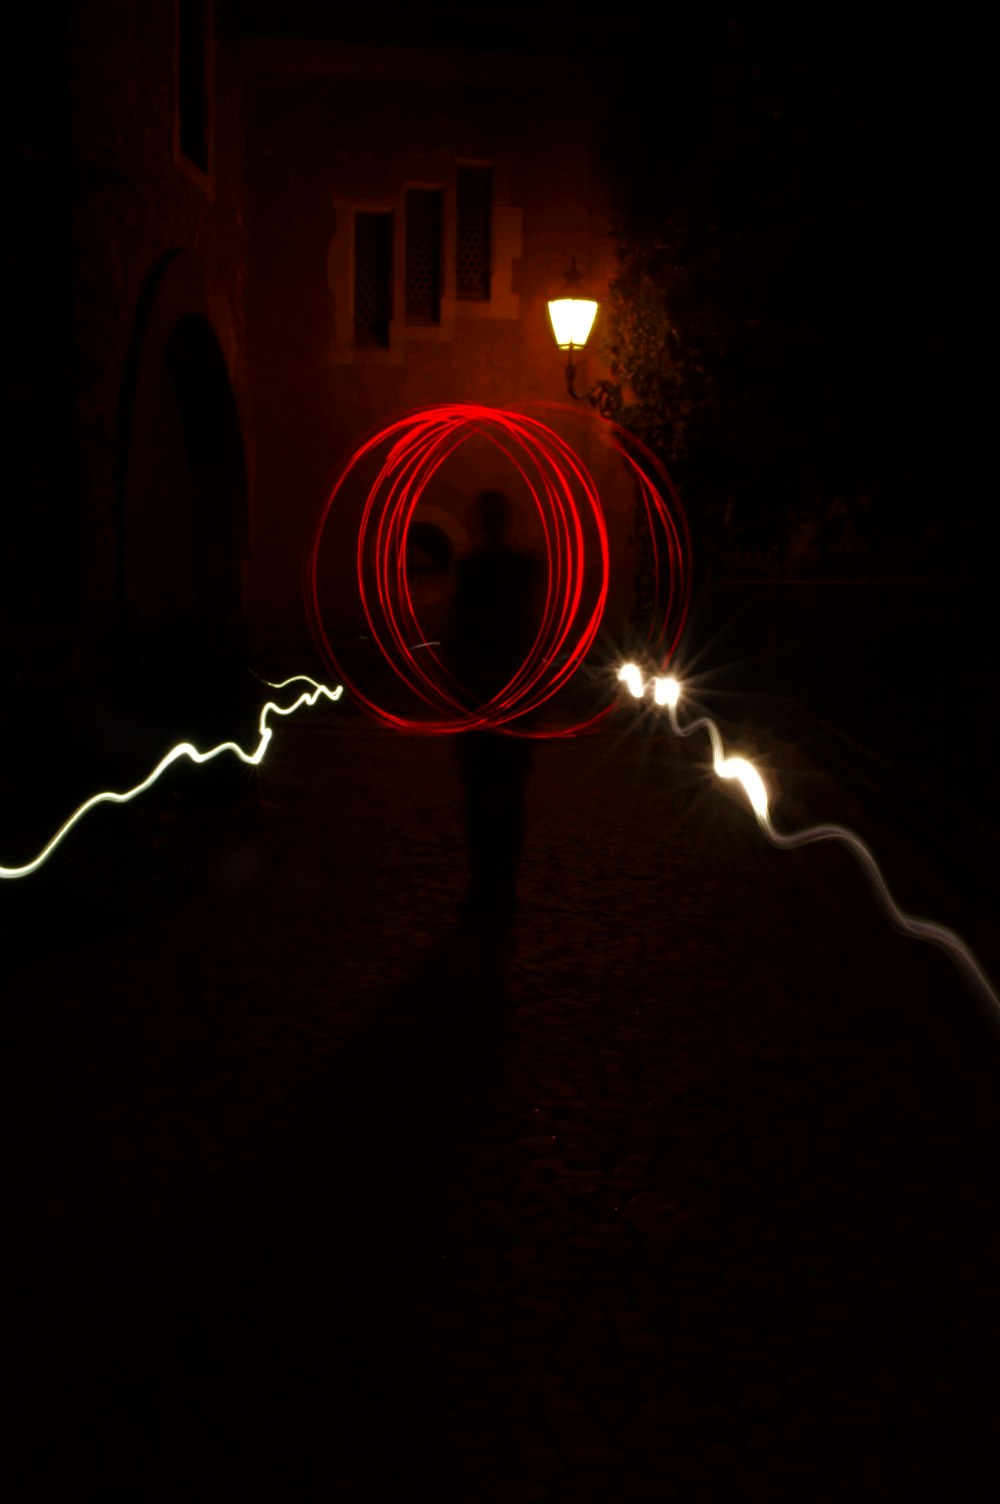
(408, 454)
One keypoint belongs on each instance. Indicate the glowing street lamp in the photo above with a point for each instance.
(572, 319)
(571, 316)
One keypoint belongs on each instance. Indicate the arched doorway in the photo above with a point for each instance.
(185, 505)
(183, 511)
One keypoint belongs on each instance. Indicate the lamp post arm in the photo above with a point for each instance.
(601, 395)
(571, 377)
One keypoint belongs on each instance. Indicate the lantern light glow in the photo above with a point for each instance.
(572, 319)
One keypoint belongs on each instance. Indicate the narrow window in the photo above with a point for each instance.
(423, 255)
(472, 252)
(372, 278)
(192, 81)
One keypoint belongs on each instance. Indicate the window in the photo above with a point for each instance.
(423, 255)
(372, 278)
(472, 250)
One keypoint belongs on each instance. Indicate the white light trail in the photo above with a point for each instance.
(667, 691)
(185, 749)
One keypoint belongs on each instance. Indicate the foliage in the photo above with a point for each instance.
(655, 389)
(660, 348)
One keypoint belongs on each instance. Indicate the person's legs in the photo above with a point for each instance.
(494, 771)
(472, 754)
(508, 814)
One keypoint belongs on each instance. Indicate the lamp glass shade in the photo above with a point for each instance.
(572, 320)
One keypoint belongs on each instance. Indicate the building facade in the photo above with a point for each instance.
(411, 211)
(266, 249)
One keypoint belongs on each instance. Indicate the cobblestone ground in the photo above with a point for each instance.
(688, 1194)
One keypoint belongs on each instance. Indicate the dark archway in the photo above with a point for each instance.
(183, 520)
(213, 449)
(185, 504)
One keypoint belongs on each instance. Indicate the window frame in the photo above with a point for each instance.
(431, 319)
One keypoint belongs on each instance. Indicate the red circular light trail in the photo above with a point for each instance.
(406, 456)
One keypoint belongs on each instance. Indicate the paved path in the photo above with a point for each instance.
(691, 1194)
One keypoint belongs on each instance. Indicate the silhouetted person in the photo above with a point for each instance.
(493, 623)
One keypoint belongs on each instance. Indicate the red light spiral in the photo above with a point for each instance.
(406, 456)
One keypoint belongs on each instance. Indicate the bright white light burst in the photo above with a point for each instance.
(631, 676)
(666, 690)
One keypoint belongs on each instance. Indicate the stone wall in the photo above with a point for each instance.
(338, 129)
(138, 203)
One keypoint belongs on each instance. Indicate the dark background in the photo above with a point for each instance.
(293, 1214)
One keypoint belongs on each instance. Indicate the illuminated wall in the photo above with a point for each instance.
(367, 294)
(249, 217)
